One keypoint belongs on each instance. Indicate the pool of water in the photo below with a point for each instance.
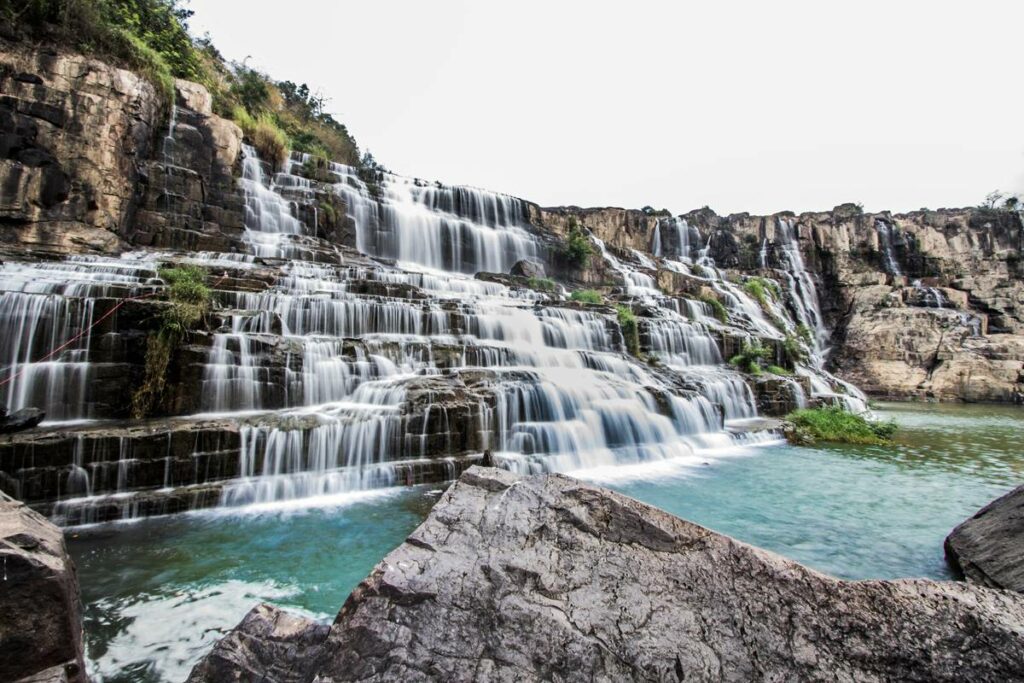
(158, 592)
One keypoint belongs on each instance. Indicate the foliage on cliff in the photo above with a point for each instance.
(151, 37)
(189, 298)
(630, 329)
(577, 249)
(836, 425)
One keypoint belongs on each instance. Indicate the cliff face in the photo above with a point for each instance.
(928, 304)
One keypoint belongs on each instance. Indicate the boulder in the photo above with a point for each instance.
(547, 578)
(41, 622)
(26, 418)
(527, 268)
(988, 549)
(269, 645)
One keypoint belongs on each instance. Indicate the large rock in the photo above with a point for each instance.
(547, 578)
(988, 549)
(41, 622)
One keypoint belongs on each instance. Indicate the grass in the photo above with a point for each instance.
(189, 298)
(794, 349)
(630, 329)
(836, 425)
(271, 143)
(718, 309)
(542, 284)
(776, 370)
(760, 288)
(587, 296)
(751, 358)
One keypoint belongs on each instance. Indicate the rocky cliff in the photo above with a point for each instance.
(988, 548)
(547, 578)
(41, 618)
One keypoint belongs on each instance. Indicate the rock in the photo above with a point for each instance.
(269, 645)
(988, 549)
(41, 622)
(527, 268)
(19, 420)
(547, 578)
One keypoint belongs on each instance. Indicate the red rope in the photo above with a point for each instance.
(84, 332)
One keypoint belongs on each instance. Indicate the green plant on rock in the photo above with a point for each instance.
(794, 349)
(587, 296)
(189, 302)
(630, 329)
(751, 358)
(760, 288)
(577, 249)
(718, 309)
(835, 424)
(776, 370)
(541, 284)
(805, 333)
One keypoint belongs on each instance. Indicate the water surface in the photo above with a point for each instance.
(158, 592)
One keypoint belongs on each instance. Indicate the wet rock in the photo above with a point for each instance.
(527, 268)
(544, 577)
(19, 420)
(269, 645)
(988, 548)
(41, 622)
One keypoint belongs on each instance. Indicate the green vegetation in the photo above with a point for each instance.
(650, 211)
(718, 309)
(794, 349)
(835, 424)
(542, 284)
(587, 296)
(804, 332)
(630, 329)
(151, 37)
(189, 298)
(776, 370)
(699, 270)
(577, 249)
(751, 358)
(760, 288)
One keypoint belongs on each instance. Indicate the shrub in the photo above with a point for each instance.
(718, 309)
(835, 424)
(699, 270)
(794, 350)
(776, 370)
(189, 299)
(542, 284)
(751, 358)
(630, 329)
(577, 249)
(805, 333)
(270, 141)
(587, 296)
(760, 288)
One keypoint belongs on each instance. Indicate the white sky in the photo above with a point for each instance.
(743, 106)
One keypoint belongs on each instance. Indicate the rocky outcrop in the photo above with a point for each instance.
(547, 578)
(73, 131)
(988, 549)
(41, 622)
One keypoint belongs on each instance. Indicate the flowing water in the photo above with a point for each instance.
(158, 592)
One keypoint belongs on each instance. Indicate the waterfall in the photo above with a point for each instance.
(885, 237)
(677, 246)
(801, 284)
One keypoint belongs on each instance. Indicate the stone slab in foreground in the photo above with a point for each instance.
(547, 578)
(40, 615)
(988, 549)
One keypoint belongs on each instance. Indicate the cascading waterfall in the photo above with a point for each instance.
(885, 239)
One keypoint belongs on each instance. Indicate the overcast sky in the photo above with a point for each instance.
(742, 106)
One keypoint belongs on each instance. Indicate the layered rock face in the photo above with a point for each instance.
(988, 548)
(41, 619)
(547, 578)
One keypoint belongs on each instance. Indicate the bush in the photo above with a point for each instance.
(776, 370)
(760, 288)
(189, 299)
(794, 350)
(805, 333)
(718, 309)
(751, 358)
(630, 329)
(577, 249)
(542, 284)
(837, 425)
(270, 141)
(587, 296)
